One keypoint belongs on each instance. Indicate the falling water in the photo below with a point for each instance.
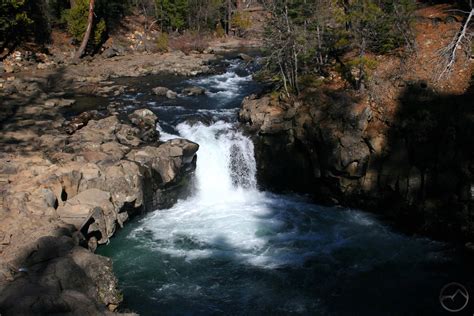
(227, 165)
(232, 249)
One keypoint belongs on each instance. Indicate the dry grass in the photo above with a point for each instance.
(190, 42)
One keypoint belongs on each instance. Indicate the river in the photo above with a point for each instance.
(231, 248)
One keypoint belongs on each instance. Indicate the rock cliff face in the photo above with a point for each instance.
(63, 202)
(412, 161)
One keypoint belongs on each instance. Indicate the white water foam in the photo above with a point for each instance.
(227, 208)
(228, 217)
(226, 85)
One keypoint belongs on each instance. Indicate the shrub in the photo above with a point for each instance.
(162, 42)
(190, 41)
(241, 21)
(76, 19)
(220, 32)
(13, 18)
(100, 31)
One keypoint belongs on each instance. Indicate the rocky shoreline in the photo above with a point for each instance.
(66, 185)
(73, 197)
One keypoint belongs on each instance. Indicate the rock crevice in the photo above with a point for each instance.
(65, 200)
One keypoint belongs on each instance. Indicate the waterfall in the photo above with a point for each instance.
(226, 165)
(232, 249)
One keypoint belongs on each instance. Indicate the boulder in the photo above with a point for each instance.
(171, 94)
(128, 135)
(91, 210)
(124, 181)
(146, 121)
(160, 91)
(114, 50)
(265, 115)
(143, 117)
(193, 90)
(80, 121)
(55, 276)
(170, 160)
(245, 57)
(97, 131)
(76, 215)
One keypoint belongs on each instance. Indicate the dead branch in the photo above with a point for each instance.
(449, 53)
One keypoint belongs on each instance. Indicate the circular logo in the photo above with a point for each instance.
(454, 297)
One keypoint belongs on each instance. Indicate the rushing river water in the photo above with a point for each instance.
(231, 248)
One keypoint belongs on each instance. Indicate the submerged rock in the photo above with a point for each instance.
(160, 91)
(164, 92)
(245, 57)
(171, 94)
(193, 90)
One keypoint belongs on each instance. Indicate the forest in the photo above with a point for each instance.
(302, 37)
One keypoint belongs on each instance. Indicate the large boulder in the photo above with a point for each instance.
(170, 160)
(55, 276)
(97, 131)
(168, 167)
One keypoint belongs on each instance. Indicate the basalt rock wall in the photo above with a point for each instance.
(412, 162)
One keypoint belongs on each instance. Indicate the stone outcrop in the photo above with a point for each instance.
(73, 196)
(408, 161)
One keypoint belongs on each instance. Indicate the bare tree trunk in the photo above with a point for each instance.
(361, 83)
(145, 26)
(284, 79)
(229, 16)
(295, 56)
(85, 40)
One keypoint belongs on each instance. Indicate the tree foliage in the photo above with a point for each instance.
(171, 14)
(106, 13)
(14, 19)
(34, 19)
(305, 36)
